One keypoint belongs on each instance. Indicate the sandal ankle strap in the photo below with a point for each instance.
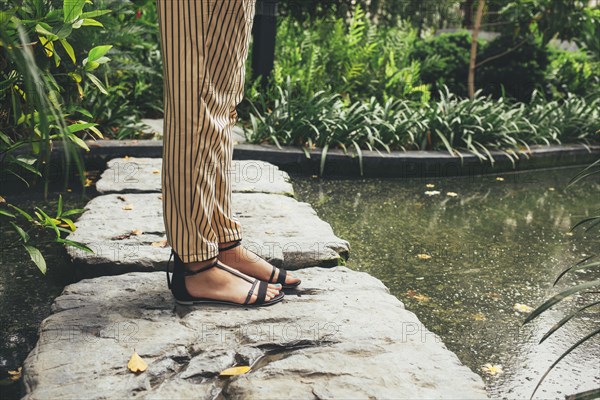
(188, 272)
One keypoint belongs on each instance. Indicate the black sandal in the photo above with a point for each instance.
(282, 271)
(182, 296)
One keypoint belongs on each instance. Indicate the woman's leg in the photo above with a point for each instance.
(196, 37)
(228, 83)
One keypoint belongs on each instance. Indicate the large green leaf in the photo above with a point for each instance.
(72, 9)
(97, 52)
(36, 257)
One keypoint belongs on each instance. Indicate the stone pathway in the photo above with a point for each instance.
(340, 335)
(125, 226)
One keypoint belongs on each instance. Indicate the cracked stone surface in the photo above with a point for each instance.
(144, 175)
(127, 233)
(341, 335)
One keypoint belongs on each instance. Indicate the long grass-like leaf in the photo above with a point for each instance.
(559, 297)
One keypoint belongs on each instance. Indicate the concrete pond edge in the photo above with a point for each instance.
(397, 164)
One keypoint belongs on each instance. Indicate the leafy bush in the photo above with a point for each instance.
(515, 73)
(356, 60)
(444, 61)
(134, 76)
(452, 123)
(572, 72)
(42, 74)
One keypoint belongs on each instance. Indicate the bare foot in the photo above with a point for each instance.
(250, 263)
(218, 284)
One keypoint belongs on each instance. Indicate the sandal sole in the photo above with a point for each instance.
(274, 300)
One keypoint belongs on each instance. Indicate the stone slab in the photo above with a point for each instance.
(138, 174)
(284, 231)
(342, 335)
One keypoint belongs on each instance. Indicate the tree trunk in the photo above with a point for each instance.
(476, 27)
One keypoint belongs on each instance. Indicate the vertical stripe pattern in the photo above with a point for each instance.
(204, 46)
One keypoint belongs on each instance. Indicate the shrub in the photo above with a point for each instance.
(516, 73)
(572, 72)
(356, 60)
(444, 61)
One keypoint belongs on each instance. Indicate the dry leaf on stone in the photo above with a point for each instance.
(235, 371)
(128, 207)
(162, 243)
(136, 232)
(122, 198)
(156, 171)
(136, 364)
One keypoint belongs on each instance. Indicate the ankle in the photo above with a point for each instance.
(196, 265)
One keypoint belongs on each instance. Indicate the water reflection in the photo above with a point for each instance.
(461, 252)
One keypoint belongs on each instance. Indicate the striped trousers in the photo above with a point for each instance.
(204, 45)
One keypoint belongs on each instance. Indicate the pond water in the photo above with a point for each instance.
(462, 259)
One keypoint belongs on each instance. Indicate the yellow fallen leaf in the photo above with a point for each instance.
(235, 370)
(451, 194)
(432, 192)
(88, 182)
(423, 256)
(479, 317)
(136, 232)
(430, 185)
(156, 171)
(421, 298)
(551, 189)
(569, 234)
(492, 369)
(162, 243)
(15, 375)
(499, 178)
(522, 308)
(136, 364)
(128, 207)
(2, 200)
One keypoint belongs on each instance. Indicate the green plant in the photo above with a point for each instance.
(39, 76)
(355, 59)
(572, 72)
(591, 224)
(444, 61)
(516, 73)
(452, 123)
(32, 236)
(133, 78)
